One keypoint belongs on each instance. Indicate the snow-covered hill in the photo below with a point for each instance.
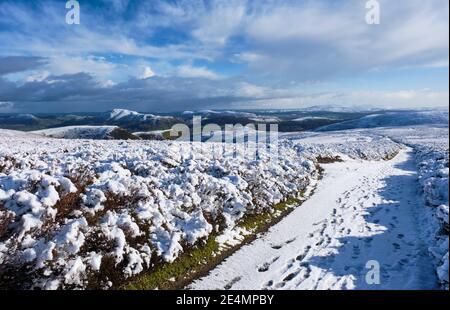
(124, 115)
(78, 213)
(86, 132)
(77, 207)
(389, 119)
(6, 133)
(19, 119)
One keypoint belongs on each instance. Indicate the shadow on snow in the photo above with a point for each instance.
(397, 250)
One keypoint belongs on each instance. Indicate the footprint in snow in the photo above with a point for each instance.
(404, 261)
(396, 246)
(279, 246)
(291, 276)
(291, 240)
(302, 256)
(265, 267)
(232, 282)
(268, 284)
(290, 264)
(356, 251)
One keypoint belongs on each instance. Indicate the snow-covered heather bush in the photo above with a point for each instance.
(84, 213)
(433, 160)
(79, 213)
(344, 145)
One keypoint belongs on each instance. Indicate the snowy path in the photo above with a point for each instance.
(361, 211)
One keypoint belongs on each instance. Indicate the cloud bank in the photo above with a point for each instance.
(188, 54)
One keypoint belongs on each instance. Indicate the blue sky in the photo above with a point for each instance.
(176, 55)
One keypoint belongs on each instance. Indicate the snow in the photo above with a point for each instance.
(70, 205)
(313, 118)
(123, 114)
(6, 133)
(265, 119)
(386, 119)
(431, 146)
(344, 144)
(130, 200)
(361, 211)
(228, 113)
(26, 116)
(77, 132)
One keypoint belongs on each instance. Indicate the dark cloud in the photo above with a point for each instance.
(14, 64)
(82, 92)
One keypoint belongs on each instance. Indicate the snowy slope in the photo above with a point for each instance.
(6, 133)
(405, 118)
(78, 132)
(361, 211)
(74, 207)
(18, 118)
(78, 210)
(431, 145)
(123, 115)
(343, 144)
(313, 118)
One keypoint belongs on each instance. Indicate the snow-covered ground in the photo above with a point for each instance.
(431, 145)
(361, 211)
(70, 206)
(389, 119)
(74, 212)
(78, 132)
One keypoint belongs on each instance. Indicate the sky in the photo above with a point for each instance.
(176, 55)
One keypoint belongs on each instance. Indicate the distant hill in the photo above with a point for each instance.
(7, 133)
(87, 132)
(132, 120)
(392, 119)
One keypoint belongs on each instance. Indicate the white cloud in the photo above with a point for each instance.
(272, 42)
(401, 99)
(251, 90)
(314, 40)
(64, 64)
(38, 76)
(188, 71)
(220, 23)
(147, 73)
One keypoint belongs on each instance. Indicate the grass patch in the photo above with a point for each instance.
(167, 135)
(328, 159)
(258, 221)
(168, 276)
